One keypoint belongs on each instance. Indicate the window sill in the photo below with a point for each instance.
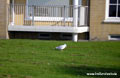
(116, 21)
(115, 38)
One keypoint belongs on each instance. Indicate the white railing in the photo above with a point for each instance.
(23, 15)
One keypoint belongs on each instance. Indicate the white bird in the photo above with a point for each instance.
(61, 47)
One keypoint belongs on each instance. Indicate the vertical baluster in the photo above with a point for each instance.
(69, 14)
(72, 15)
(58, 15)
(32, 15)
(55, 14)
(64, 16)
(21, 14)
(36, 14)
(38, 8)
(17, 10)
(53, 11)
(50, 14)
(39, 12)
(18, 14)
(61, 14)
(19, 17)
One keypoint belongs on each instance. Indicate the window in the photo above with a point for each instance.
(44, 35)
(113, 10)
(114, 37)
(48, 10)
(66, 36)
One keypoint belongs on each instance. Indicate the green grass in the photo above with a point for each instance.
(39, 59)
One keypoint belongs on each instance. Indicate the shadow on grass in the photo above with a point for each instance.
(83, 70)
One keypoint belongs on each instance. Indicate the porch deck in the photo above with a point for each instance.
(47, 18)
(62, 29)
(61, 19)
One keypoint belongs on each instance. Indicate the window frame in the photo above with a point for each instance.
(111, 38)
(45, 37)
(37, 18)
(110, 19)
(64, 36)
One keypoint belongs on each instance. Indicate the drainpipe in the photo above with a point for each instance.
(88, 4)
(75, 18)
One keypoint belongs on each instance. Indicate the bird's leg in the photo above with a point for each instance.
(61, 50)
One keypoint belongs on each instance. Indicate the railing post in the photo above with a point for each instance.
(27, 7)
(75, 18)
(75, 13)
(32, 15)
(13, 13)
(64, 16)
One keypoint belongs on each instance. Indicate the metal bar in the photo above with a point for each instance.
(64, 16)
(17, 11)
(32, 15)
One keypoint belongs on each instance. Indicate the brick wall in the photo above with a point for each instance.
(3, 19)
(98, 29)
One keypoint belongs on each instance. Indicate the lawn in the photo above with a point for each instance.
(39, 59)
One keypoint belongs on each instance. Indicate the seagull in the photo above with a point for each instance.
(61, 47)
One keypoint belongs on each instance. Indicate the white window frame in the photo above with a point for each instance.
(110, 19)
(46, 18)
(110, 37)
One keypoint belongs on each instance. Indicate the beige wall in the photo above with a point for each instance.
(98, 29)
(20, 1)
(84, 2)
(3, 19)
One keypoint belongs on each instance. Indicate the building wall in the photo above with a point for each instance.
(100, 30)
(3, 19)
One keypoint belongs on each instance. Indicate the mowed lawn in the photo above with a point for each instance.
(39, 59)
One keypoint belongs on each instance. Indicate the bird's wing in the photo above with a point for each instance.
(59, 47)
